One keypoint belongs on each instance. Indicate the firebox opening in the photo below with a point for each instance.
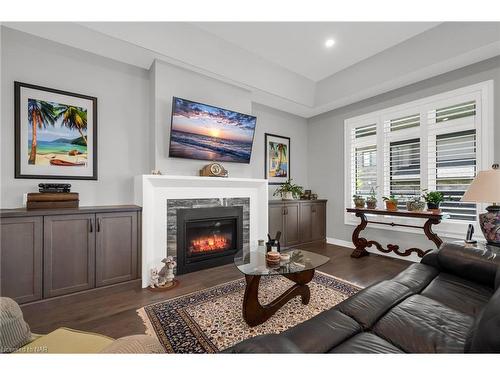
(210, 236)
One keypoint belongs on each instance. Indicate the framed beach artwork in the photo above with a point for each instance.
(277, 159)
(55, 134)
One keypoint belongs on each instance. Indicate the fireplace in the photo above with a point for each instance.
(208, 237)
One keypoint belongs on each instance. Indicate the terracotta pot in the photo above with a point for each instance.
(391, 205)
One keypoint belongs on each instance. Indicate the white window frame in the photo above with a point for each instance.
(481, 92)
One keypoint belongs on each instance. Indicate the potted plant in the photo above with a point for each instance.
(359, 201)
(391, 203)
(433, 199)
(371, 201)
(289, 191)
(415, 204)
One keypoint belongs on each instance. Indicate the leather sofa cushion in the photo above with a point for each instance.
(271, 343)
(367, 306)
(459, 294)
(325, 331)
(366, 343)
(422, 325)
(416, 277)
(469, 263)
(485, 337)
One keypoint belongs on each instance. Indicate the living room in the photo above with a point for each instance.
(196, 186)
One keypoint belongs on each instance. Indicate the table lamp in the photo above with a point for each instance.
(485, 188)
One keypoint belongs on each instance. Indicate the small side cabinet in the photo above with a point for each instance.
(50, 253)
(299, 222)
(117, 247)
(21, 252)
(69, 254)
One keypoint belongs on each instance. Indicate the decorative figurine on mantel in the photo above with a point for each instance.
(165, 278)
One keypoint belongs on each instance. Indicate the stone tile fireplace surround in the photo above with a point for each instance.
(161, 195)
(173, 207)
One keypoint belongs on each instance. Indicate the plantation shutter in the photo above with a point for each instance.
(402, 157)
(363, 159)
(404, 170)
(453, 156)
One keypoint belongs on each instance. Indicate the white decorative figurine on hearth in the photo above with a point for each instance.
(154, 283)
(167, 272)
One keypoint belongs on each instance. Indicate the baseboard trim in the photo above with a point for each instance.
(339, 242)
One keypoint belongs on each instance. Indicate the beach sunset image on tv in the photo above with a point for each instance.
(201, 131)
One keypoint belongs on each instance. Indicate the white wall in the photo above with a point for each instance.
(326, 145)
(123, 114)
(170, 80)
(134, 108)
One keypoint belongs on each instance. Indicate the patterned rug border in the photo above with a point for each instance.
(153, 326)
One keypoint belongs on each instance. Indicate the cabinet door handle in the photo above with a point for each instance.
(99, 224)
(91, 226)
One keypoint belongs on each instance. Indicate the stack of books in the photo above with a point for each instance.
(52, 200)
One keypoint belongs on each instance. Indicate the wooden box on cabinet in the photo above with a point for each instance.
(300, 222)
(51, 253)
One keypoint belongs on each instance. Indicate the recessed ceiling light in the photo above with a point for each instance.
(329, 43)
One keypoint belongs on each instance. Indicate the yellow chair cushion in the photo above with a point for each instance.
(65, 340)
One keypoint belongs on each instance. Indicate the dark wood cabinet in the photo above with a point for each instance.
(21, 252)
(276, 219)
(299, 221)
(318, 221)
(49, 253)
(69, 254)
(116, 247)
(306, 222)
(291, 225)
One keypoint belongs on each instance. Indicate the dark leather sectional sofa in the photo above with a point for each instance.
(448, 303)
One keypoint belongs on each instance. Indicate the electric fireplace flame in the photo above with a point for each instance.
(209, 244)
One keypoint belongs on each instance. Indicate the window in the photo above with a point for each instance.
(404, 169)
(437, 143)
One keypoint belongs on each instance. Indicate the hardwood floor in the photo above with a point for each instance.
(112, 311)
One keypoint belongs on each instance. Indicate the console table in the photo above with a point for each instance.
(432, 218)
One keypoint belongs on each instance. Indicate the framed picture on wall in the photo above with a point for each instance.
(277, 159)
(55, 134)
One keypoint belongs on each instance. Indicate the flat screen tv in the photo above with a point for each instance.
(201, 131)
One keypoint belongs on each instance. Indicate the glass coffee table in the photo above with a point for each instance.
(300, 269)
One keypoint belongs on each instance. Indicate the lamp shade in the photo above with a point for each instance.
(485, 188)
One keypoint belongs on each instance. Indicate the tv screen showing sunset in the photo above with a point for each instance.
(201, 131)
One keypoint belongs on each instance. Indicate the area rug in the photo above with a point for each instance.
(210, 320)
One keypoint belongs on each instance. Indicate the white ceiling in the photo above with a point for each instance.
(299, 46)
(274, 60)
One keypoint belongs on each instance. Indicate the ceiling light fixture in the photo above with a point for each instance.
(329, 43)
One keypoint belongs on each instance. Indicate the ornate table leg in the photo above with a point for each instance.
(430, 234)
(254, 313)
(359, 242)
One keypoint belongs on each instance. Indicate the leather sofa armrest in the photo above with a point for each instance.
(467, 262)
(271, 343)
(430, 259)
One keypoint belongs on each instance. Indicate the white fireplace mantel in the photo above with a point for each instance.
(153, 191)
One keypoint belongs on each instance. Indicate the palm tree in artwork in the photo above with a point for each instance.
(281, 155)
(74, 118)
(40, 114)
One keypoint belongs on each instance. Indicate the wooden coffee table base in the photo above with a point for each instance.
(254, 313)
